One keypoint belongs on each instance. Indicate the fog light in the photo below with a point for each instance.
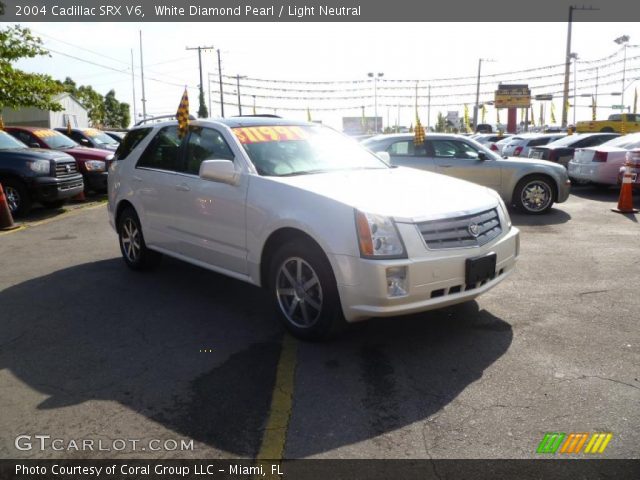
(397, 281)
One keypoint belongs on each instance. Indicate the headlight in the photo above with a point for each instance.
(95, 166)
(507, 217)
(40, 166)
(110, 157)
(378, 237)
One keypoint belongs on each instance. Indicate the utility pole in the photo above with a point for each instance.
(477, 105)
(133, 88)
(574, 56)
(238, 77)
(202, 110)
(220, 78)
(209, 91)
(144, 100)
(428, 107)
(567, 63)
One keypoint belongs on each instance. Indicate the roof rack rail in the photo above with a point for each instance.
(263, 115)
(160, 117)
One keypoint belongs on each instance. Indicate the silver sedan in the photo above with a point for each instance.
(531, 185)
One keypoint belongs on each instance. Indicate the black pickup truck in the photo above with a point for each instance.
(32, 174)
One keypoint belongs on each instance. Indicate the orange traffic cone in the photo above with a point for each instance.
(6, 219)
(625, 202)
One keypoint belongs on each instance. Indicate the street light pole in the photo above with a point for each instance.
(220, 79)
(238, 77)
(375, 96)
(477, 105)
(567, 64)
(574, 56)
(624, 41)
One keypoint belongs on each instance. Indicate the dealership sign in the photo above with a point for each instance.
(512, 96)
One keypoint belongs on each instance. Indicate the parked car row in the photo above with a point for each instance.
(531, 185)
(47, 166)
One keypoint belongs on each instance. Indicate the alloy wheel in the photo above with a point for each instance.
(299, 292)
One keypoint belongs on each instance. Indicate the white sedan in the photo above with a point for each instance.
(335, 234)
(601, 164)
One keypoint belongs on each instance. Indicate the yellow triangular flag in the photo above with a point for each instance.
(183, 114)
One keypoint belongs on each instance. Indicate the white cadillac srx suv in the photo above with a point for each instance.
(332, 231)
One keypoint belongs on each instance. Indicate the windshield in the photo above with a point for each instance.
(7, 142)
(54, 139)
(99, 137)
(298, 150)
(626, 141)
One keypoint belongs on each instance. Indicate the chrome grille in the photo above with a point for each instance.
(66, 169)
(456, 232)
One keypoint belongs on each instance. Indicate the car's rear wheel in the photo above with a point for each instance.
(17, 197)
(534, 195)
(134, 250)
(304, 291)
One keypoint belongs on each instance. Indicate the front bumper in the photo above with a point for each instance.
(435, 279)
(563, 190)
(49, 189)
(96, 181)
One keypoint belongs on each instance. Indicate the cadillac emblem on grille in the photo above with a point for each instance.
(474, 230)
(67, 168)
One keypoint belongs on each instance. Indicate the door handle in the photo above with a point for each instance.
(136, 179)
(446, 166)
(183, 188)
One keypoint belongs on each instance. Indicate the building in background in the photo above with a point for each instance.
(72, 112)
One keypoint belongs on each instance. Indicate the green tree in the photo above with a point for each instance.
(21, 89)
(202, 111)
(125, 115)
(93, 102)
(441, 123)
(112, 112)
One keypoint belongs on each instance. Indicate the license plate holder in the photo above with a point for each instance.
(480, 268)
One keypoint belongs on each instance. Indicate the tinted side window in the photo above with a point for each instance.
(162, 152)
(24, 137)
(204, 144)
(77, 136)
(131, 141)
(407, 148)
(454, 149)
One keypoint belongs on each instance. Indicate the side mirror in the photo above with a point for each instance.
(384, 156)
(482, 156)
(34, 145)
(84, 141)
(219, 171)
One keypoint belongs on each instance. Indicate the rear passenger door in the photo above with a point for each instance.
(210, 216)
(405, 153)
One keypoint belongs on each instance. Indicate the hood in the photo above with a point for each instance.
(405, 194)
(34, 154)
(86, 153)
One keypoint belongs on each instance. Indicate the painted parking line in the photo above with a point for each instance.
(66, 214)
(275, 433)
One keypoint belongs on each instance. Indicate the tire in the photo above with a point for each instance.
(534, 194)
(17, 196)
(134, 250)
(54, 204)
(607, 130)
(310, 311)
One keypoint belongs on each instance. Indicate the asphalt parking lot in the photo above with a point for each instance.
(89, 349)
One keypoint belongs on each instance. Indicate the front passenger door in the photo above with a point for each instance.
(210, 216)
(459, 159)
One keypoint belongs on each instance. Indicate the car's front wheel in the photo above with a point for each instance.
(17, 197)
(304, 291)
(134, 250)
(534, 195)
